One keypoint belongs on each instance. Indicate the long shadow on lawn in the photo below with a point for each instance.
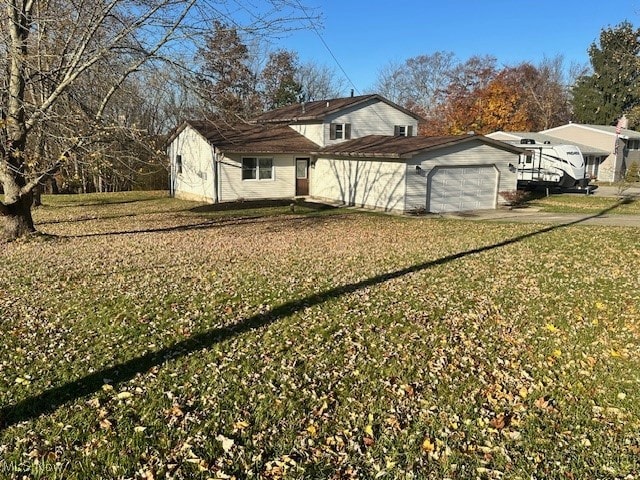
(49, 400)
(224, 221)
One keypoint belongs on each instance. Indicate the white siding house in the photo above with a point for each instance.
(357, 151)
(435, 174)
(192, 162)
(281, 184)
(373, 183)
(248, 162)
(327, 122)
(464, 176)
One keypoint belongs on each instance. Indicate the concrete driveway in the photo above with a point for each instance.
(533, 215)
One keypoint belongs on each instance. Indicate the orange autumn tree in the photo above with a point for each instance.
(474, 96)
(503, 105)
(458, 113)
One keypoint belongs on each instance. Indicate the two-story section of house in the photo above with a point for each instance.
(328, 122)
(362, 151)
(271, 156)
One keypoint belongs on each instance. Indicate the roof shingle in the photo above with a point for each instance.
(319, 109)
(404, 147)
(243, 138)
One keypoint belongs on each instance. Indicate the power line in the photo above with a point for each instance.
(326, 46)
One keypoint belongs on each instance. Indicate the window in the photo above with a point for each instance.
(257, 168)
(339, 131)
(633, 144)
(178, 164)
(403, 130)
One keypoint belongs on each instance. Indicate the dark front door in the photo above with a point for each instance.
(302, 176)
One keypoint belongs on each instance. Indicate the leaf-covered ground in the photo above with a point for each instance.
(150, 340)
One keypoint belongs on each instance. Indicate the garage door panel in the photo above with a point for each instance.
(454, 189)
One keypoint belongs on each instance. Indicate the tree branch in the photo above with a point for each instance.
(28, 188)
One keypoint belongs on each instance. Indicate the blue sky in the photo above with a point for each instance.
(365, 35)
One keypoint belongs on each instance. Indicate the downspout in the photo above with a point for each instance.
(216, 183)
(172, 189)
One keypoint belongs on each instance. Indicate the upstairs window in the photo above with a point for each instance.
(257, 168)
(340, 131)
(403, 130)
(178, 164)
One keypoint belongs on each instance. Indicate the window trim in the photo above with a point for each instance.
(257, 169)
(178, 164)
(407, 130)
(345, 131)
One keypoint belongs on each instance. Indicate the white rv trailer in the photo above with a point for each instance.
(551, 166)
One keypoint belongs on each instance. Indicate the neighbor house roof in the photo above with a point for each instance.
(244, 138)
(608, 129)
(543, 137)
(319, 109)
(385, 146)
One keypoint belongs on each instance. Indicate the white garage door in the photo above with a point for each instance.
(454, 189)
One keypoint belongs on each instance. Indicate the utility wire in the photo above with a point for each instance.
(313, 26)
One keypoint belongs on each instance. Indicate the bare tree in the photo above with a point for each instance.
(419, 83)
(320, 82)
(547, 93)
(65, 62)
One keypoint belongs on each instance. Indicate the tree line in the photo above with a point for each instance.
(91, 90)
(453, 96)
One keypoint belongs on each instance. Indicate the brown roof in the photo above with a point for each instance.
(243, 138)
(404, 147)
(319, 109)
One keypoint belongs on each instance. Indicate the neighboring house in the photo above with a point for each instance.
(356, 150)
(593, 156)
(621, 148)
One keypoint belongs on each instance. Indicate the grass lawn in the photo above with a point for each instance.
(155, 338)
(581, 203)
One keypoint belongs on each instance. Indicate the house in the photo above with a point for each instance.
(356, 150)
(621, 147)
(593, 156)
(438, 174)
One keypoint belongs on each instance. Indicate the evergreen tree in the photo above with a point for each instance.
(612, 89)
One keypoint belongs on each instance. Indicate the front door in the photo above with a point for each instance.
(302, 176)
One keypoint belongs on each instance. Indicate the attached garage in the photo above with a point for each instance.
(436, 174)
(454, 189)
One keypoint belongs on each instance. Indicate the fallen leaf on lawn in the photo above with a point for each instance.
(428, 446)
(240, 425)
(368, 430)
(227, 443)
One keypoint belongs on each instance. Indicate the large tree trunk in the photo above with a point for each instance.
(16, 218)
